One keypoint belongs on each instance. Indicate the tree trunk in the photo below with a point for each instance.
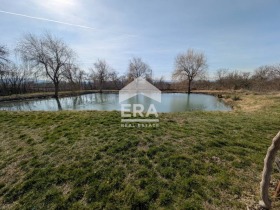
(189, 87)
(56, 88)
(267, 169)
(101, 86)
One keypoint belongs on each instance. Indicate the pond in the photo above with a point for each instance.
(170, 102)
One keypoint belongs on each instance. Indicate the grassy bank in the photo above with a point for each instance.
(85, 160)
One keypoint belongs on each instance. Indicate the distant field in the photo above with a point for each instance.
(85, 160)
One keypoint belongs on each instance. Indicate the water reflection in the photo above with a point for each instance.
(177, 102)
(58, 104)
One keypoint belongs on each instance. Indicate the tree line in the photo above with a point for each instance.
(47, 63)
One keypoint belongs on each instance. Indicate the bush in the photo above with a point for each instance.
(236, 98)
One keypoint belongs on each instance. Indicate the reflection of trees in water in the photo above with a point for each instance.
(17, 106)
(45, 105)
(205, 102)
(140, 99)
(101, 98)
(68, 103)
(98, 101)
(58, 104)
(185, 102)
(188, 100)
(77, 102)
(194, 106)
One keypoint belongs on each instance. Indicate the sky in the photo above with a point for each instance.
(234, 34)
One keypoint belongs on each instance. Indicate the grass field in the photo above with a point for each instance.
(85, 160)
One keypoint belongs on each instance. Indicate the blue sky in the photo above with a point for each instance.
(237, 34)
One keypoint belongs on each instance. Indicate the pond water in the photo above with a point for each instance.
(170, 102)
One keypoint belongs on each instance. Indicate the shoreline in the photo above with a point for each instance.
(236, 99)
(46, 95)
(63, 94)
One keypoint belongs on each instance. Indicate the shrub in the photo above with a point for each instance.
(236, 98)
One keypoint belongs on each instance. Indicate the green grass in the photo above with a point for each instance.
(85, 160)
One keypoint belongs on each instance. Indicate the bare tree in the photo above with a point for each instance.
(18, 78)
(237, 80)
(101, 72)
(74, 75)
(80, 78)
(3, 55)
(49, 53)
(161, 84)
(4, 82)
(221, 75)
(14, 79)
(276, 70)
(262, 78)
(122, 81)
(138, 68)
(113, 75)
(190, 65)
